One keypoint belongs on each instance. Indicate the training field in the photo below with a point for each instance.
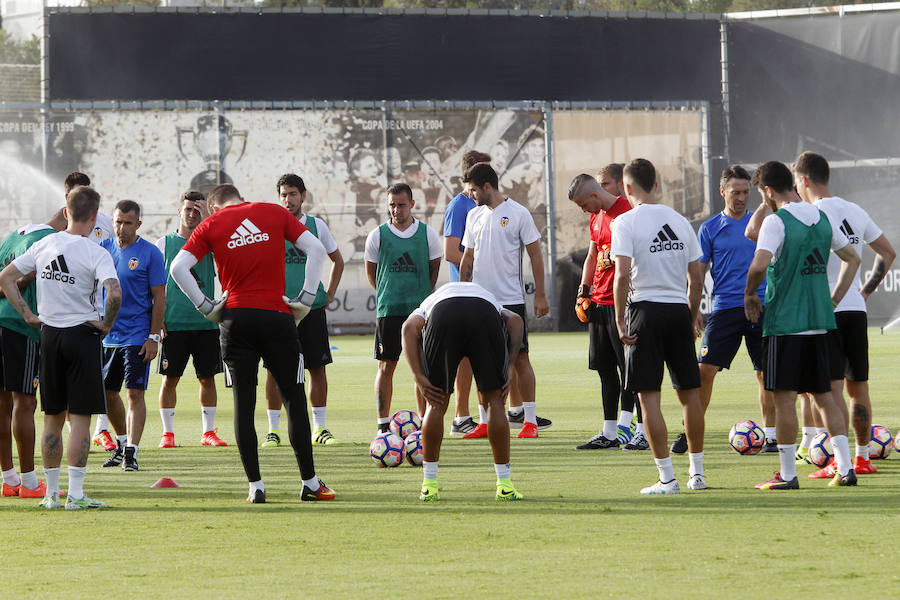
(582, 531)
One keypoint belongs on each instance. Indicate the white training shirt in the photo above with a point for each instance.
(455, 289)
(661, 243)
(70, 272)
(498, 238)
(373, 240)
(771, 233)
(103, 228)
(860, 229)
(26, 229)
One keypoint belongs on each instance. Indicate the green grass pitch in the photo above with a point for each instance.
(582, 531)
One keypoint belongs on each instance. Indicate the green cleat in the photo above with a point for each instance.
(273, 440)
(506, 492)
(322, 437)
(429, 491)
(843, 480)
(802, 456)
(85, 502)
(50, 501)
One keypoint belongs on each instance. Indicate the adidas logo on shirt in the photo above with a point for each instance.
(848, 231)
(814, 263)
(666, 240)
(247, 233)
(404, 264)
(294, 257)
(58, 270)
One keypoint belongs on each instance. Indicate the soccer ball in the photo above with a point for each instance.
(404, 422)
(414, 449)
(746, 437)
(387, 450)
(880, 442)
(897, 442)
(820, 450)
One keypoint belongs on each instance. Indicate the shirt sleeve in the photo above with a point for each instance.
(695, 252)
(104, 268)
(871, 232)
(468, 239)
(705, 244)
(325, 236)
(161, 244)
(293, 228)
(198, 243)
(373, 243)
(434, 244)
(26, 263)
(157, 270)
(455, 218)
(528, 232)
(838, 238)
(621, 239)
(771, 235)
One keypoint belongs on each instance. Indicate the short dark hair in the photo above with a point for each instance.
(642, 172)
(473, 157)
(193, 196)
(127, 206)
(614, 170)
(733, 172)
(400, 188)
(577, 183)
(814, 166)
(481, 173)
(221, 193)
(291, 180)
(76, 178)
(775, 175)
(82, 202)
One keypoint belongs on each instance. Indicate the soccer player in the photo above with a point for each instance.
(791, 256)
(313, 329)
(454, 228)
(658, 261)
(70, 268)
(403, 258)
(496, 231)
(463, 319)
(187, 333)
(850, 343)
(724, 245)
(247, 242)
(604, 199)
(19, 358)
(133, 340)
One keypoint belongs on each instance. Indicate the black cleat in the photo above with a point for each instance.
(542, 423)
(467, 425)
(843, 480)
(383, 428)
(257, 497)
(117, 456)
(598, 442)
(679, 446)
(770, 446)
(638, 442)
(130, 462)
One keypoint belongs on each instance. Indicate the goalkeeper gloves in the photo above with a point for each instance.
(301, 305)
(582, 303)
(212, 309)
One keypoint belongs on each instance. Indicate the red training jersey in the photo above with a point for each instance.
(247, 242)
(601, 234)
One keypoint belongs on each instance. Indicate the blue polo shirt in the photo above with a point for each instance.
(140, 267)
(455, 224)
(723, 242)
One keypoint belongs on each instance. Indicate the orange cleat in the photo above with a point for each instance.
(39, 492)
(167, 440)
(529, 430)
(826, 472)
(323, 493)
(863, 466)
(211, 439)
(104, 439)
(480, 431)
(10, 491)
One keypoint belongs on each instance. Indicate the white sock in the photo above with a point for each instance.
(530, 412)
(257, 485)
(122, 439)
(312, 484)
(841, 446)
(384, 420)
(52, 477)
(808, 433)
(76, 482)
(482, 415)
(10, 477)
(274, 419)
(696, 460)
(69, 426)
(208, 417)
(319, 416)
(787, 456)
(430, 469)
(770, 433)
(168, 419)
(102, 424)
(639, 428)
(133, 446)
(30, 480)
(516, 410)
(502, 470)
(609, 430)
(861, 451)
(666, 472)
(625, 418)
(821, 430)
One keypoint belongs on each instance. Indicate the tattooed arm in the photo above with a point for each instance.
(111, 307)
(884, 257)
(8, 282)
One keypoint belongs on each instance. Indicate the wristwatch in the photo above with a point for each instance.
(155, 337)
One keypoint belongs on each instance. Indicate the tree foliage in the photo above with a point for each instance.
(19, 53)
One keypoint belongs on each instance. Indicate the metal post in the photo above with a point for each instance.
(704, 157)
(45, 116)
(549, 177)
(726, 101)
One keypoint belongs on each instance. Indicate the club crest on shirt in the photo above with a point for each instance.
(133, 263)
(98, 233)
(504, 221)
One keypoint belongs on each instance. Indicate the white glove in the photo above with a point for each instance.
(299, 305)
(212, 309)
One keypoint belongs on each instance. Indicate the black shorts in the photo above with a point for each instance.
(388, 342)
(71, 370)
(850, 346)
(665, 335)
(313, 334)
(797, 363)
(469, 327)
(606, 351)
(19, 359)
(251, 334)
(519, 309)
(178, 346)
(124, 364)
(722, 338)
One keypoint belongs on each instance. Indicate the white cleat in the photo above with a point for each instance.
(697, 482)
(669, 487)
(50, 501)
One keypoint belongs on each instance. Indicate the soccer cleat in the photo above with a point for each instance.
(777, 483)
(638, 442)
(116, 459)
(529, 430)
(542, 423)
(468, 425)
(322, 437)
(802, 456)
(659, 488)
(679, 446)
(863, 466)
(39, 492)
(429, 491)
(167, 440)
(624, 434)
(104, 439)
(826, 472)
(697, 482)
(10, 491)
(211, 439)
(323, 493)
(85, 502)
(770, 446)
(130, 461)
(598, 442)
(383, 428)
(480, 431)
(843, 480)
(272, 440)
(506, 492)
(50, 501)
(257, 497)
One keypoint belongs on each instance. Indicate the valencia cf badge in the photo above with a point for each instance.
(133, 263)
(504, 221)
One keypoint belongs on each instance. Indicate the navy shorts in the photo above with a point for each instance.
(722, 338)
(124, 364)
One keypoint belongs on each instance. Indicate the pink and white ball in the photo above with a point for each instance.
(880, 442)
(414, 453)
(387, 450)
(404, 422)
(746, 437)
(820, 450)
